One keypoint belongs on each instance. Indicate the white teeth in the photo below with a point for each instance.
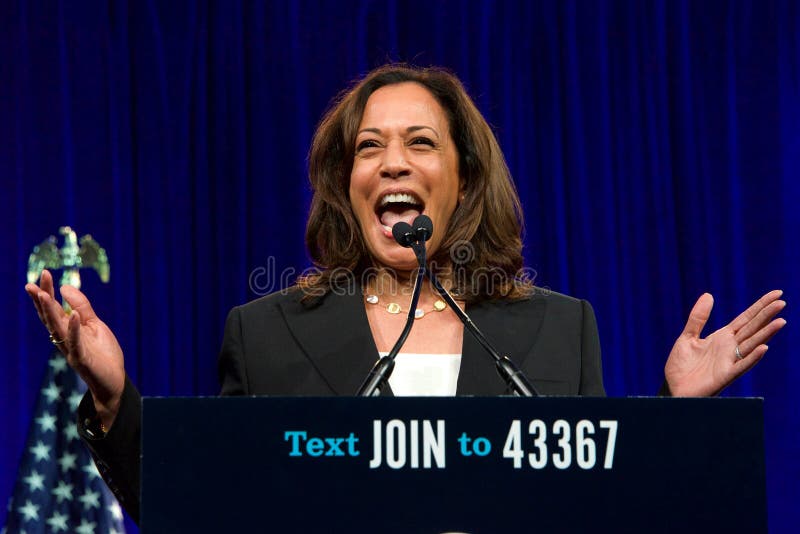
(399, 197)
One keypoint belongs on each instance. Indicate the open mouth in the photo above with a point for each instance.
(395, 207)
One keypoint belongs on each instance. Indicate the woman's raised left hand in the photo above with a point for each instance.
(699, 367)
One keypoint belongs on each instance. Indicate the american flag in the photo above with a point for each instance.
(58, 488)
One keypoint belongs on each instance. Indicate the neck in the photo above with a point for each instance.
(386, 281)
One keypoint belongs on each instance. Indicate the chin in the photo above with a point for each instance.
(400, 260)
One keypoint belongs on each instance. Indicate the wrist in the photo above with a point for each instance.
(106, 412)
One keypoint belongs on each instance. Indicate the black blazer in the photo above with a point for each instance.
(277, 345)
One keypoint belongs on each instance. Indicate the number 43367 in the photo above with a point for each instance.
(561, 443)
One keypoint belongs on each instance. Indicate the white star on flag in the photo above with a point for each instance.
(34, 481)
(116, 510)
(91, 470)
(90, 499)
(58, 364)
(86, 527)
(67, 461)
(52, 392)
(75, 399)
(63, 491)
(71, 432)
(46, 422)
(30, 511)
(57, 522)
(41, 451)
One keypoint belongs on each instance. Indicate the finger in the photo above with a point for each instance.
(55, 318)
(699, 315)
(74, 335)
(33, 292)
(763, 317)
(761, 337)
(42, 297)
(753, 310)
(46, 283)
(78, 302)
(747, 363)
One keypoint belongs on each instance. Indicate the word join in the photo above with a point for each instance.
(401, 443)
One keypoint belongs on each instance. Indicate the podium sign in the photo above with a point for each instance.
(464, 464)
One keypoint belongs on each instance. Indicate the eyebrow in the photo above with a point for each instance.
(410, 129)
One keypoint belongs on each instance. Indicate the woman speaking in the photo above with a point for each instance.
(402, 142)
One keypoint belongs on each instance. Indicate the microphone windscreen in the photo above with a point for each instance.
(423, 226)
(403, 234)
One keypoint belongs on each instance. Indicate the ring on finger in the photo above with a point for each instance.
(55, 341)
(738, 353)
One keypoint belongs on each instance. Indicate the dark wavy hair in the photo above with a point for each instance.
(482, 243)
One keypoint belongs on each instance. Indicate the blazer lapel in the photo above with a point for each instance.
(345, 360)
(335, 336)
(512, 327)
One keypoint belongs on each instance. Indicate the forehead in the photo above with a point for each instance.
(403, 104)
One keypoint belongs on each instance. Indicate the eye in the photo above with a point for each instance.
(366, 143)
(422, 141)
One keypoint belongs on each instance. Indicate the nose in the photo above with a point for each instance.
(394, 164)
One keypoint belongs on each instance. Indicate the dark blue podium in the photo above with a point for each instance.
(434, 465)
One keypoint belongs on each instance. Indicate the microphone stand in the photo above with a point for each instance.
(407, 236)
(383, 368)
(513, 376)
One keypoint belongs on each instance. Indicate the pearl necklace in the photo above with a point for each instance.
(394, 308)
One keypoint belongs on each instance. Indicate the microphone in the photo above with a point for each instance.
(423, 228)
(506, 368)
(404, 234)
(382, 370)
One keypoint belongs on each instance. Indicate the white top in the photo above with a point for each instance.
(425, 375)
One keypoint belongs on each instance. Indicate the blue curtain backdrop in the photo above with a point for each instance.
(656, 147)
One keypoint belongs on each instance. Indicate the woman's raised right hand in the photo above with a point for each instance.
(89, 345)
